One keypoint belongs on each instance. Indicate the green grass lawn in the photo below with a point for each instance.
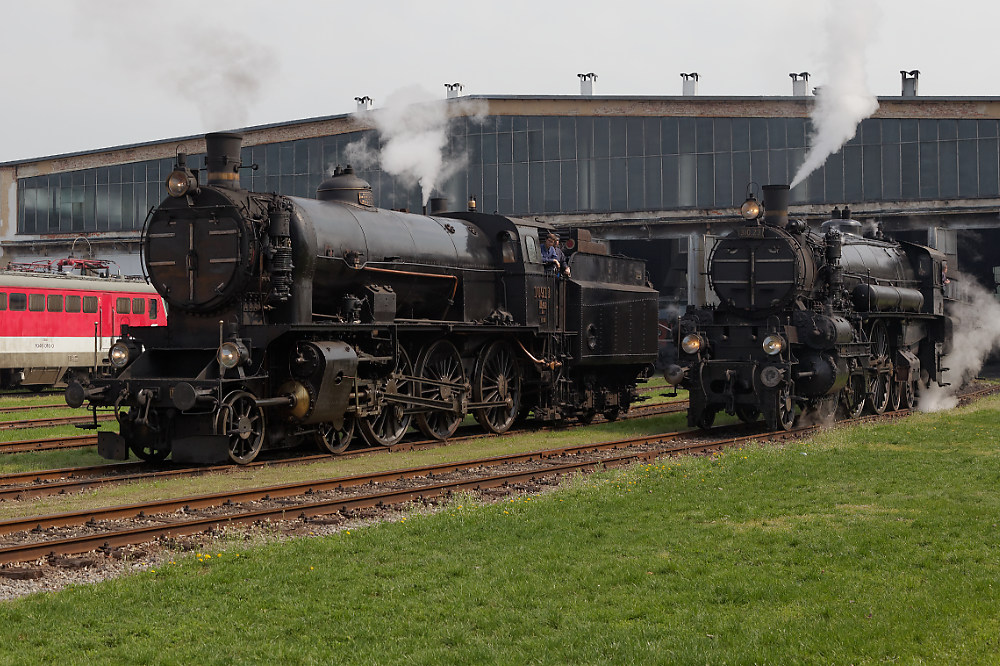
(864, 545)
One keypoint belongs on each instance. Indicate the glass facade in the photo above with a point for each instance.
(525, 165)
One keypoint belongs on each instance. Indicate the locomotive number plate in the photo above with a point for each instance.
(750, 232)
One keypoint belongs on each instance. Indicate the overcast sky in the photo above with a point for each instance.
(82, 75)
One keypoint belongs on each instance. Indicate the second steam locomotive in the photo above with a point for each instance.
(294, 318)
(811, 320)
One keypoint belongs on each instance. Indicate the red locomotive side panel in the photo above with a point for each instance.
(52, 325)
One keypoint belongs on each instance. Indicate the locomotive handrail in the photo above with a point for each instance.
(454, 287)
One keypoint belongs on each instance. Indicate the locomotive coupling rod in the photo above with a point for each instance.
(287, 400)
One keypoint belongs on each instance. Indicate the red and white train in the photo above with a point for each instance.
(58, 318)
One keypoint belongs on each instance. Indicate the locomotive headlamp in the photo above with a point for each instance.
(232, 354)
(180, 182)
(122, 353)
(773, 344)
(691, 343)
(750, 210)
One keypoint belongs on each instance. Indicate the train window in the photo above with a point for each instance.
(54, 303)
(152, 308)
(531, 245)
(18, 302)
(3, 300)
(73, 303)
(36, 302)
(138, 306)
(123, 306)
(90, 304)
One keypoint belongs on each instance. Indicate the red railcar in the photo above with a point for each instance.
(56, 324)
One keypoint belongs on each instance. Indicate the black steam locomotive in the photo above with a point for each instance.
(814, 320)
(295, 319)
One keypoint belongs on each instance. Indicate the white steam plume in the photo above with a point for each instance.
(844, 100)
(413, 136)
(976, 335)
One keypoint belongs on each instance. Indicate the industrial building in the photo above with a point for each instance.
(657, 177)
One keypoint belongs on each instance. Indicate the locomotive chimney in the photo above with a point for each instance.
(776, 205)
(222, 159)
(438, 205)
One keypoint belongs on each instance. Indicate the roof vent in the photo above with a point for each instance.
(909, 82)
(364, 103)
(453, 89)
(587, 83)
(690, 87)
(800, 84)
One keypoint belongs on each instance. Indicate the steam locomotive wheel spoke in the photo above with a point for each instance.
(440, 362)
(880, 393)
(907, 396)
(897, 395)
(497, 380)
(242, 421)
(388, 426)
(332, 440)
(853, 397)
(785, 410)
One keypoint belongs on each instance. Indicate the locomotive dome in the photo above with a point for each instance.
(346, 187)
(840, 220)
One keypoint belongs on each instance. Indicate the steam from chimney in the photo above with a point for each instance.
(221, 72)
(976, 336)
(413, 136)
(843, 100)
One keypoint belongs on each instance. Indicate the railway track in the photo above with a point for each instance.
(24, 485)
(54, 421)
(73, 533)
(24, 408)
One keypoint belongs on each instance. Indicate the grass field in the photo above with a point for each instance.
(864, 545)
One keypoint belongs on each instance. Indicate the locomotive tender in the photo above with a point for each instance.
(815, 320)
(295, 319)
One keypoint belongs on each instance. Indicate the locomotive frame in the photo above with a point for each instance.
(295, 319)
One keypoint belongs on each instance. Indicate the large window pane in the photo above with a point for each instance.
(619, 184)
(890, 171)
(928, 168)
(989, 174)
(948, 166)
(872, 177)
(636, 183)
(910, 170)
(653, 182)
(968, 167)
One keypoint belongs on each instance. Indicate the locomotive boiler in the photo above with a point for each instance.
(295, 319)
(809, 321)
